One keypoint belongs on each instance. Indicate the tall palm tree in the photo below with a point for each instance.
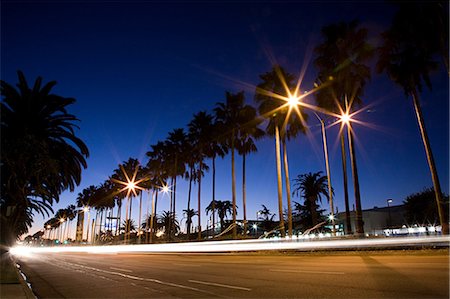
(272, 94)
(230, 117)
(341, 62)
(175, 144)
(128, 171)
(200, 134)
(41, 155)
(312, 186)
(248, 133)
(407, 56)
(217, 148)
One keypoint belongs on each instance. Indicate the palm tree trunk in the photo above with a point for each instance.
(244, 204)
(280, 188)
(149, 201)
(431, 164)
(119, 210)
(327, 166)
(152, 221)
(126, 220)
(87, 226)
(358, 218)
(199, 202)
(80, 226)
(213, 195)
(140, 215)
(100, 225)
(188, 228)
(288, 187)
(169, 228)
(233, 185)
(348, 224)
(129, 218)
(313, 208)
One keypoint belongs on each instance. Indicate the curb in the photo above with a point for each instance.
(25, 286)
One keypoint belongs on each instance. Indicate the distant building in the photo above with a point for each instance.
(384, 221)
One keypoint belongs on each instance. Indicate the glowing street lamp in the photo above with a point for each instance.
(388, 201)
(327, 165)
(130, 185)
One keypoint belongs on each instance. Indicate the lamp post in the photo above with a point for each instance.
(346, 119)
(86, 210)
(327, 165)
(388, 201)
(130, 185)
(61, 233)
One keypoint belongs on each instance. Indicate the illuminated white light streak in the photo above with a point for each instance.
(233, 246)
(220, 285)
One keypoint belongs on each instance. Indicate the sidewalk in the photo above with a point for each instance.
(12, 284)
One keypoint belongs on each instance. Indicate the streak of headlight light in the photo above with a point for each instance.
(233, 246)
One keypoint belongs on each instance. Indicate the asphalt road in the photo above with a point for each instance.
(393, 274)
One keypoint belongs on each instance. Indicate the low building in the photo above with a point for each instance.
(384, 221)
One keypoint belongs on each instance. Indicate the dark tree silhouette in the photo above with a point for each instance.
(418, 32)
(41, 155)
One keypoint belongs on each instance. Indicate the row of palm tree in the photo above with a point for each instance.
(343, 72)
(408, 55)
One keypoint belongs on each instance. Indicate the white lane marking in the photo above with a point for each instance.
(220, 285)
(308, 272)
(143, 279)
(120, 269)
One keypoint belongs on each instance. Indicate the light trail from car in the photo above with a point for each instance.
(240, 246)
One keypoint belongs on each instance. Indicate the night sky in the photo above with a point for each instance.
(139, 70)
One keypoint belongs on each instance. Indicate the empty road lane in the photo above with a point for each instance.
(393, 274)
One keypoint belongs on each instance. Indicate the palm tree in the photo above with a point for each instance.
(267, 218)
(217, 147)
(200, 130)
(271, 94)
(128, 171)
(229, 116)
(41, 155)
(189, 214)
(174, 145)
(223, 208)
(407, 57)
(340, 62)
(128, 226)
(83, 202)
(169, 223)
(312, 186)
(248, 133)
(157, 166)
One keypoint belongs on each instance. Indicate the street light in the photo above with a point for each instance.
(388, 201)
(130, 185)
(327, 165)
(86, 210)
(61, 221)
(346, 119)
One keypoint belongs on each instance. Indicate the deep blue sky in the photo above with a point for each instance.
(139, 70)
